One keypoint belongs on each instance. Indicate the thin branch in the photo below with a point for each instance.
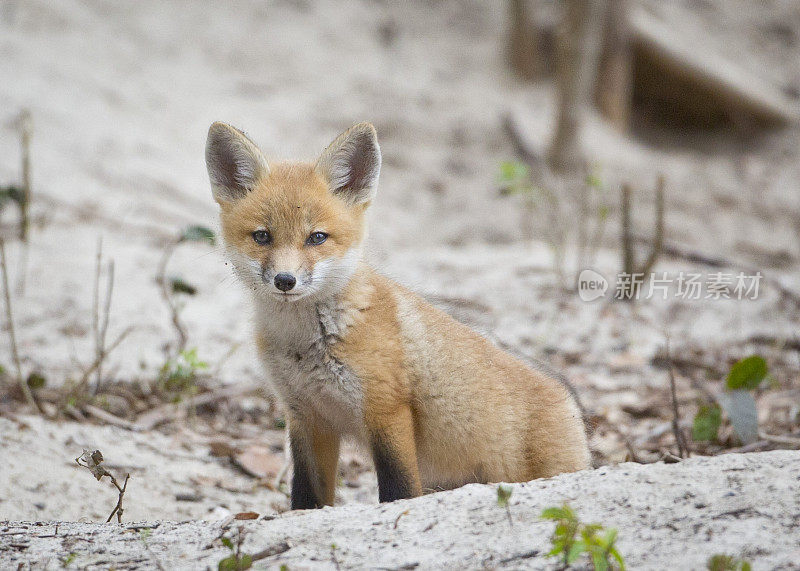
(96, 305)
(23, 385)
(100, 329)
(103, 330)
(782, 343)
(98, 360)
(152, 418)
(106, 310)
(107, 417)
(277, 549)
(683, 449)
(334, 560)
(627, 246)
(118, 508)
(25, 199)
(628, 254)
(752, 447)
(634, 455)
(780, 439)
(521, 147)
(658, 239)
(177, 324)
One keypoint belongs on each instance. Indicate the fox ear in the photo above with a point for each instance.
(234, 162)
(351, 164)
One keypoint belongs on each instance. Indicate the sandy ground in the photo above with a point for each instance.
(667, 517)
(122, 96)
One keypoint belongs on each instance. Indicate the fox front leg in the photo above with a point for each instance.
(315, 452)
(395, 457)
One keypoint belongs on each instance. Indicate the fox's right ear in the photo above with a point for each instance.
(234, 162)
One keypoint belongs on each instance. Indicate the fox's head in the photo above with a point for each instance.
(293, 230)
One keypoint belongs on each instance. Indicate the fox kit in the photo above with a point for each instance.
(351, 353)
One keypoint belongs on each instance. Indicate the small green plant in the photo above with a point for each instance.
(236, 561)
(173, 287)
(334, 559)
(179, 375)
(564, 535)
(571, 539)
(68, 559)
(706, 423)
(552, 206)
(504, 492)
(514, 178)
(599, 544)
(722, 562)
(736, 400)
(198, 234)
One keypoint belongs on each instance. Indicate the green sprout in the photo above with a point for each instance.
(571, 539)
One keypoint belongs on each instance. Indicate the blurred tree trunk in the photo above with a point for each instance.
(613, 89)
(577, 49)
(523, 52)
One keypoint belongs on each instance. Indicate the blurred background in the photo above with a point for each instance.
(523, 141)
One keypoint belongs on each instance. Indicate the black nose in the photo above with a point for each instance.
(284, 282)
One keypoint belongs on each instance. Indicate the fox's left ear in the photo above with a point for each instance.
(351, 164)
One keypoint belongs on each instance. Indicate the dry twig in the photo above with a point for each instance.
(177, 323)
(683, 449)
(100, 329)
(152, 418)
(782, 343)
(92, 460)
(107, 417)
(780, 439)
(632, 452)
(25, 200)
(630, 267)
(277, 549)
(521, 147)
(99, 359)
(23, 385)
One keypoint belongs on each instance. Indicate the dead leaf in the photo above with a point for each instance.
(653, 408)
(259, 462)
(91, 460)
(222, 449)
(246, 515)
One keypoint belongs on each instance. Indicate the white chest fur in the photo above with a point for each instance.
(307, 377)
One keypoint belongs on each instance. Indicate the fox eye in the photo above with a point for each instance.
(316, 238)
(262, 237)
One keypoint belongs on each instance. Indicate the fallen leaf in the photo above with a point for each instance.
(246, 515)
(259, 462)
(222, 448)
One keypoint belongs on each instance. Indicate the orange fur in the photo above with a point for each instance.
(356, 354)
